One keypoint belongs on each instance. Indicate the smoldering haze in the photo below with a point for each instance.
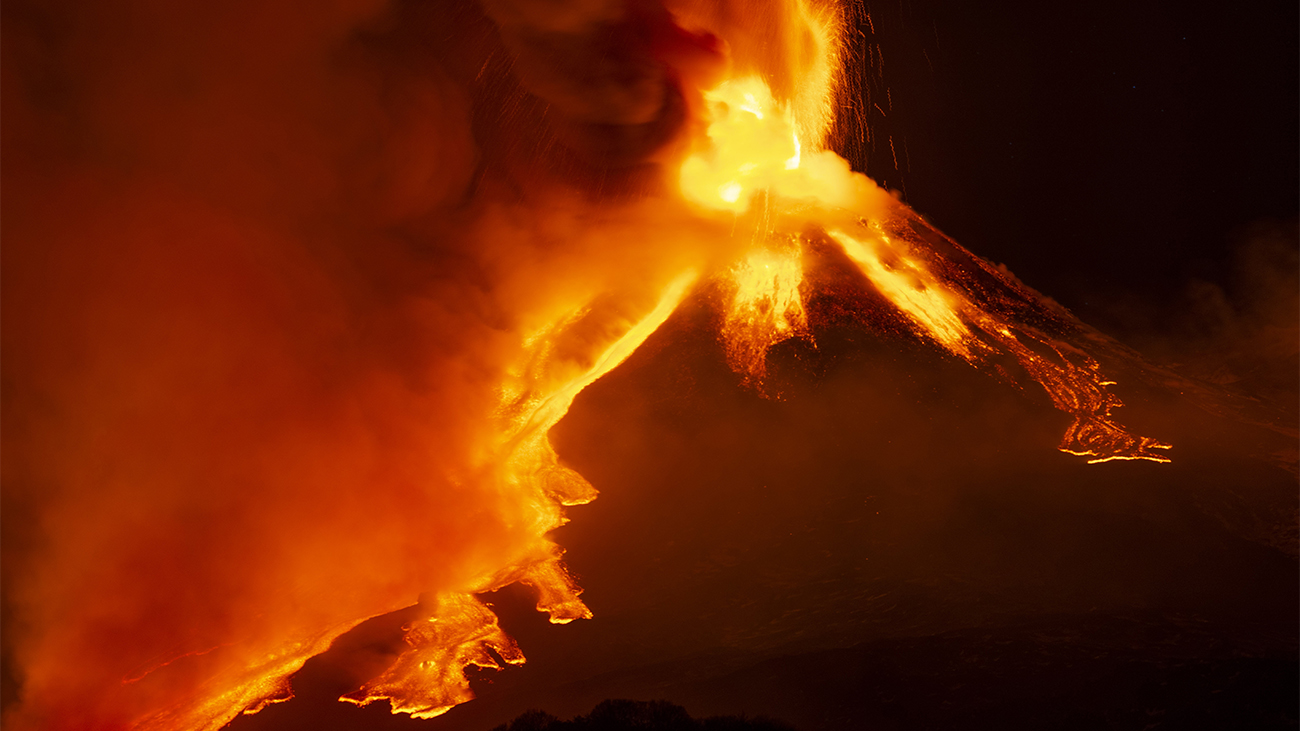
(1243, 333)
(254, 317)
(203, 392)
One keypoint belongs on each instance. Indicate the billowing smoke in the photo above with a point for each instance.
(265, 268)
(230, 413)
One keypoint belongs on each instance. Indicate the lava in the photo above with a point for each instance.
(766, 307)
(754, 156)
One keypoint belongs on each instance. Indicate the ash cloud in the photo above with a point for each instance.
(264, 266)
(229, 406)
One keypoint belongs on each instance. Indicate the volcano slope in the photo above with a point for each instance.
(890, 539)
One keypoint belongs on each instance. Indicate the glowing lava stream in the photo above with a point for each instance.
(754, 154)
(428, 679)
(766, 308)
(457, 630)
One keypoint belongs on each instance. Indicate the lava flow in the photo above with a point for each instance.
(754, 157)
(752, 188)
(428, 679)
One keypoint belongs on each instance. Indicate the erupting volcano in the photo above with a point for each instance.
(242, 429)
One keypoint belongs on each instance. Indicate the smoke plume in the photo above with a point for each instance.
(266, 266)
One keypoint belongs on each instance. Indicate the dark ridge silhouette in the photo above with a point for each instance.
(626, 715)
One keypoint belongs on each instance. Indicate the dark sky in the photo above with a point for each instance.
(1095, 148)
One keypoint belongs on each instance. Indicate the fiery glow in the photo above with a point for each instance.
(248, 692)
(428, 678)
(753, 146)
(753, 153)
(766, 307)
(911, 288)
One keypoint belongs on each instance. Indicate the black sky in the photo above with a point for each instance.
(1095, 148)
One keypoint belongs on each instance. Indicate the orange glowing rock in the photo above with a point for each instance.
(766, 307)
(428, 679)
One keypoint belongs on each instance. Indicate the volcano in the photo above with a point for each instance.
(579, 315)
(907, 501)
(895, 541)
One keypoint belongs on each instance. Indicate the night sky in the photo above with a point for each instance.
(1103, 151)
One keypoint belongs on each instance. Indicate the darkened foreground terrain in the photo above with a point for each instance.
(614, 715)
